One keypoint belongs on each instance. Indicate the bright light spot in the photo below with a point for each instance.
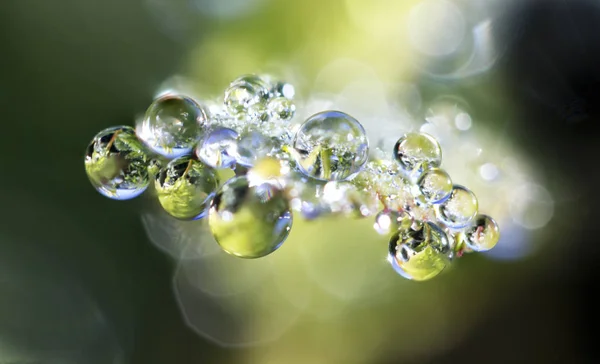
(531, 206)
(489, 171)
(288, 91)
(463, 121)
(436, 27)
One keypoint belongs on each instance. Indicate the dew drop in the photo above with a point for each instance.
(172, 125)
(219, 148)
(250, 221)
(390, 221)
(459, 209)
(435, 185)
(246, 96)
(117, 164)
(415, 151)
(483, 234)
(420, 252)
(185, 187)
(331, 146)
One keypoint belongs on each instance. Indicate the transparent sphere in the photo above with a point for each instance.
(331, 146)
(219, 148)
(434, 185)
(250, 221)
(420, 252)
(483, 234)
(390, 221)
(459, 209)
(185, 187)
(172, 125)
(247, 95)
(281, 108)
(283, 89)
(414, 151)
(116, 163)
(253, 145)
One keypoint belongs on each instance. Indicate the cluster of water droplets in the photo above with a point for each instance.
(243, 167)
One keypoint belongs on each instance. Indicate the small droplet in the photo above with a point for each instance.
(331, 146)
(390, 221)
(185, 187)
(281, 108)
(435, 185)
(247, 95)
(253, 145)
(284, 89)
(219, 148)
(416, 151)
(250, 221)
(172, 125)
(420, 252)
(117, 164)
(483, 234)
(459, 209)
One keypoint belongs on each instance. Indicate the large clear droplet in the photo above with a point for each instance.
(331, 146)
(172, 125)
(185, 187)
(434, 186)
(483, 234)
(250, 221)
(117, 164)
(421, 252)
(247, 96)
(219, 148)
(459, 209)
(416, 151)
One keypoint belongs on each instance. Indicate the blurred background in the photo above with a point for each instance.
(511, 89)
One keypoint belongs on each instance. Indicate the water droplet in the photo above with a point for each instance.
(331, 146)
(420, 252)
(459, 209)
(247, 95)
(489, 171)
(116, 163)
(483, 234)
(185, 187)
(281, 108)
(219, 148)
(284, 89)
(390, 221)
(250, 221)
(415, 151)
(434, 185)
(172, 125)
(252, 146)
